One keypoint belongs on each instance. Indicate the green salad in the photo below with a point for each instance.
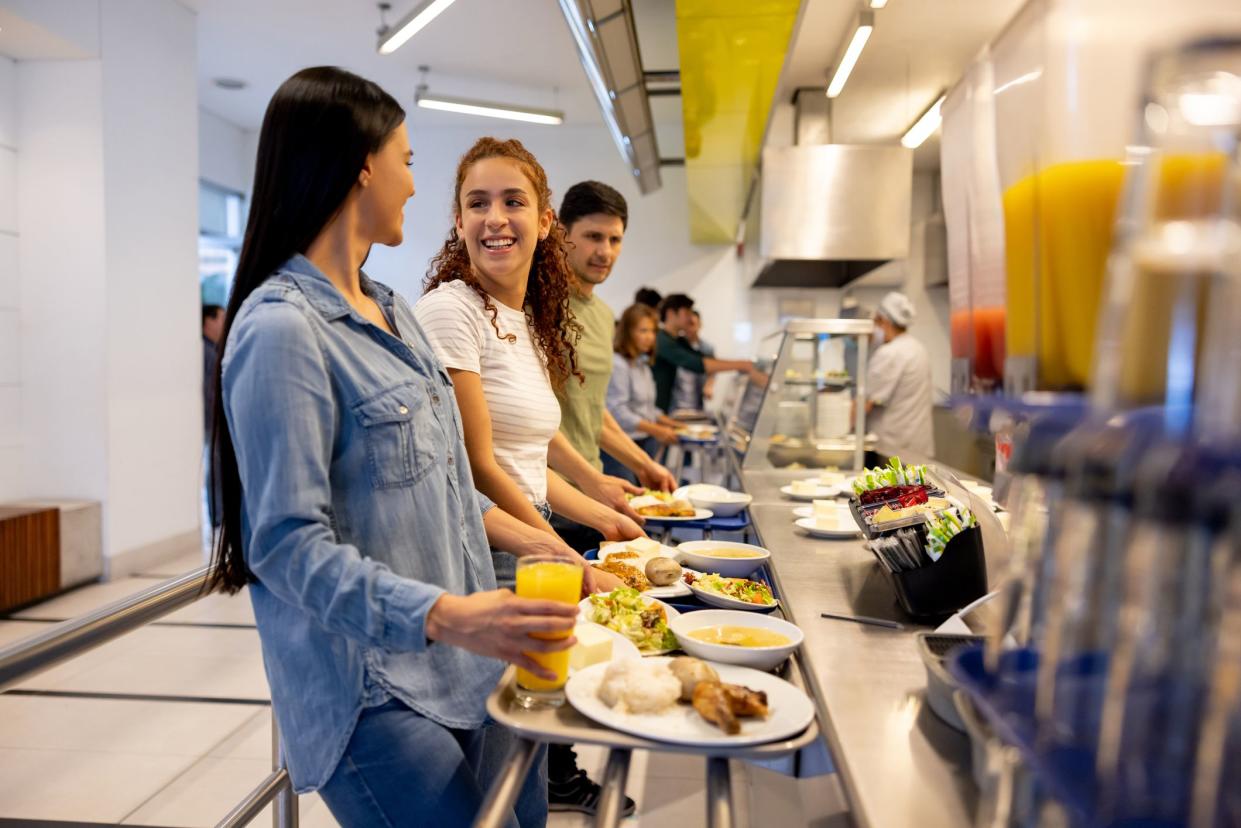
(740, 589)
(625, 611)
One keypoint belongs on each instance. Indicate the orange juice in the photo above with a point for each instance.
(1058, 226)
(548, 580)
(1057, 233)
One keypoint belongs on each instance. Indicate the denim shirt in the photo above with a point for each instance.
(358, 512)
(631, 394)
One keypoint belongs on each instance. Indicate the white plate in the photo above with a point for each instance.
(808, 511)
(724, 602)
(790, 711)
(807, 524)
(676, 589)
(699, 514)
(583, 614)
(821, 493)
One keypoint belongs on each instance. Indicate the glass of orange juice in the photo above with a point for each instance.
(547, 579)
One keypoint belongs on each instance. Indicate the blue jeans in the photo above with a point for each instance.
(401, 768)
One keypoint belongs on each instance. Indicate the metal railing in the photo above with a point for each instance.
(68, 639)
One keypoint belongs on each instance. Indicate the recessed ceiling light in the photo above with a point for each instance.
(231, 84)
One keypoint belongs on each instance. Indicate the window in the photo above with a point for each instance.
(221, 221)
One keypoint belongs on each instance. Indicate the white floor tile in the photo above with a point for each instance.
(215, 609)
(80, 785)
(117, 726)
(175, 566)
(252, 740)
(166, 660)
(84, 599)
(203, 794)
(171, 674)
(11, 631)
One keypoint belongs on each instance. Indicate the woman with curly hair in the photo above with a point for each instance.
(496, 309)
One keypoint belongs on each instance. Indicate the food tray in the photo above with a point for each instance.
(690, 603)
(1008, 707)
(564, 725)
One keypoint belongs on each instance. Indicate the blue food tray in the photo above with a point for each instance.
(1066, 775)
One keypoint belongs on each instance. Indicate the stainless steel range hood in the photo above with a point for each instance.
(832, 212)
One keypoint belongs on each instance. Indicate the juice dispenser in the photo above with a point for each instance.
(1067, 76)
(975, 223)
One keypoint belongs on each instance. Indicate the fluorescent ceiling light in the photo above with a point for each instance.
(396, 36)
(925, 126)
(866, 25)
(491, 110)
(878, 4)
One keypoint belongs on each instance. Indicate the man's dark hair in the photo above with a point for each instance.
(647, 296)
(209, 312)
(588, 197)
(672, 303)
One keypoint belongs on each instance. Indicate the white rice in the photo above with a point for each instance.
(639, 686)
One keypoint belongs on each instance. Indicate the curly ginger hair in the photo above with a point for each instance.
(551, 321)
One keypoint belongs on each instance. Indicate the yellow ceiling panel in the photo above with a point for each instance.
(731, 54)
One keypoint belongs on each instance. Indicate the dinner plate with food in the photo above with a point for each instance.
(663, 507)
(720, 501)
(810, 489)
(696, 433)
(732, 593)
(639, 619)
(688, 701)
(645, 565)
(826, 519)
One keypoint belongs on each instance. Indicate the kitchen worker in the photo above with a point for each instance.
(898, 382)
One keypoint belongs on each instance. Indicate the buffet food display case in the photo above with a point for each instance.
(803, 415)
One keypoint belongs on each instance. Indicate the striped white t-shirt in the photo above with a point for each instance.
(525, 414)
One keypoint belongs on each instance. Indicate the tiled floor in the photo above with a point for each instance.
(169, 726)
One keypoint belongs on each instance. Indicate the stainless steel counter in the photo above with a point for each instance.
(899, 764)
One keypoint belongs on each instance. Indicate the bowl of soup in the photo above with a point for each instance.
(727, 558)
(747, 639)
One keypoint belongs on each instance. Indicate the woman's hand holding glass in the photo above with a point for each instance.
(498, 624)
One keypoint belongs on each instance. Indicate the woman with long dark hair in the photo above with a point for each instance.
(348, 505)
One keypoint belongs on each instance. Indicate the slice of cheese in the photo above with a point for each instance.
(644, 546)
(805, 487)
(826, 509)
(593, 646)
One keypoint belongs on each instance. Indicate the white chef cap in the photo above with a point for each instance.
(898, 309)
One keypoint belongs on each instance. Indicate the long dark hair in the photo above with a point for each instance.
(555, 329)
(318, 130)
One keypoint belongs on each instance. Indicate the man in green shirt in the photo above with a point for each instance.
(595, 216)
(672, 351)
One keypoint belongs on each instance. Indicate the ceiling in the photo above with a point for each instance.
(917, 50)
(518, 52)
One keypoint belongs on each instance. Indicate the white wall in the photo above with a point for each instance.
(151, 201)
(110, 351)
(225, 156)
(64, 281)
(10, 296)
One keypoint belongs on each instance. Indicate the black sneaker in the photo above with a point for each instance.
(578, 793)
